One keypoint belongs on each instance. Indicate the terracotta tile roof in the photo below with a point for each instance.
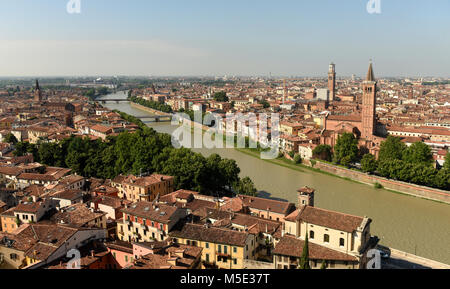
(68, 194)
(326, 218)
(11, 171)
(120, 246)
(28, 207)
(38, 241)
(158, 212)
(101, 128)
(110, 201)
(146, 181)
(275, 206)
(350, 118)
(291, 246)
(211, 234)
(77, 215)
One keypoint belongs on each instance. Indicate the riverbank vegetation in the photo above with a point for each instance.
(145, 151)
(151, 104)
(413, 164)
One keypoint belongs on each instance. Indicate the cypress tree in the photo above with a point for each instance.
(304, 261)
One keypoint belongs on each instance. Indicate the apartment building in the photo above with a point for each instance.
(146, 221)
(146, 188)
(222, 248)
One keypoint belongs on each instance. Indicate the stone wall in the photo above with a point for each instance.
(406, 188)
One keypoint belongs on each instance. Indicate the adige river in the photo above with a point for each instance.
(410, 224)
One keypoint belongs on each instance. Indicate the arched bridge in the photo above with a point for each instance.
(154, 117)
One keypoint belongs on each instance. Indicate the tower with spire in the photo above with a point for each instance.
(37, 93)
(369, 100)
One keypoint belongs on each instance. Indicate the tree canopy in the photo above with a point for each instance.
(322, 152)
(391, 149)
(221, 96)
(447, 161)
(418, 152)
(368, 163)
(10, 138)
(304, 260)
(346, 149)
(144, 151)
(151, 104)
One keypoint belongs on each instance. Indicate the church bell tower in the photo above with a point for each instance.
(37, 92)
(369, 100)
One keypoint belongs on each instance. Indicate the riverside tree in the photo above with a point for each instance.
(346, 149)
(143, 151)
(368, 163)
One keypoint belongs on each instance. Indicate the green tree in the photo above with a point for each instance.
(442, 179)
(447, 161)
(368, 163)
(246, 187)
(297, 159)
(291, 154)
(391, 149)
(346, 149)
(324, 265)
(221, 96)
(418, 152)
(322, 152)
(10, 138)
(304, 260)
(265, 104)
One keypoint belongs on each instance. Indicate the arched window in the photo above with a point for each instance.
(326, 238)
(311, 234)
(341, 242)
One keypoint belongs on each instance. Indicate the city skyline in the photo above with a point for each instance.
(199, 38)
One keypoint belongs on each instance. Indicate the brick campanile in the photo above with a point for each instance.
(369, 101)
(37, 92)
(332, 81)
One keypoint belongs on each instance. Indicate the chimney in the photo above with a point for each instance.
(92, 253)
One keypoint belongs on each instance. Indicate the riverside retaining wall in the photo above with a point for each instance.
(402, 187)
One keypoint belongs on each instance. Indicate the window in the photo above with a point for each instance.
(207, 257)
(126, 258)
(311, 234)
(219, 248)
(234, 261)
(135, 219)
(207, 245)
(326, 238)
(225, 249)
(341, 242)
(234, 250)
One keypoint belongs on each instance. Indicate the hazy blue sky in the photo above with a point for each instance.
(218, 37)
